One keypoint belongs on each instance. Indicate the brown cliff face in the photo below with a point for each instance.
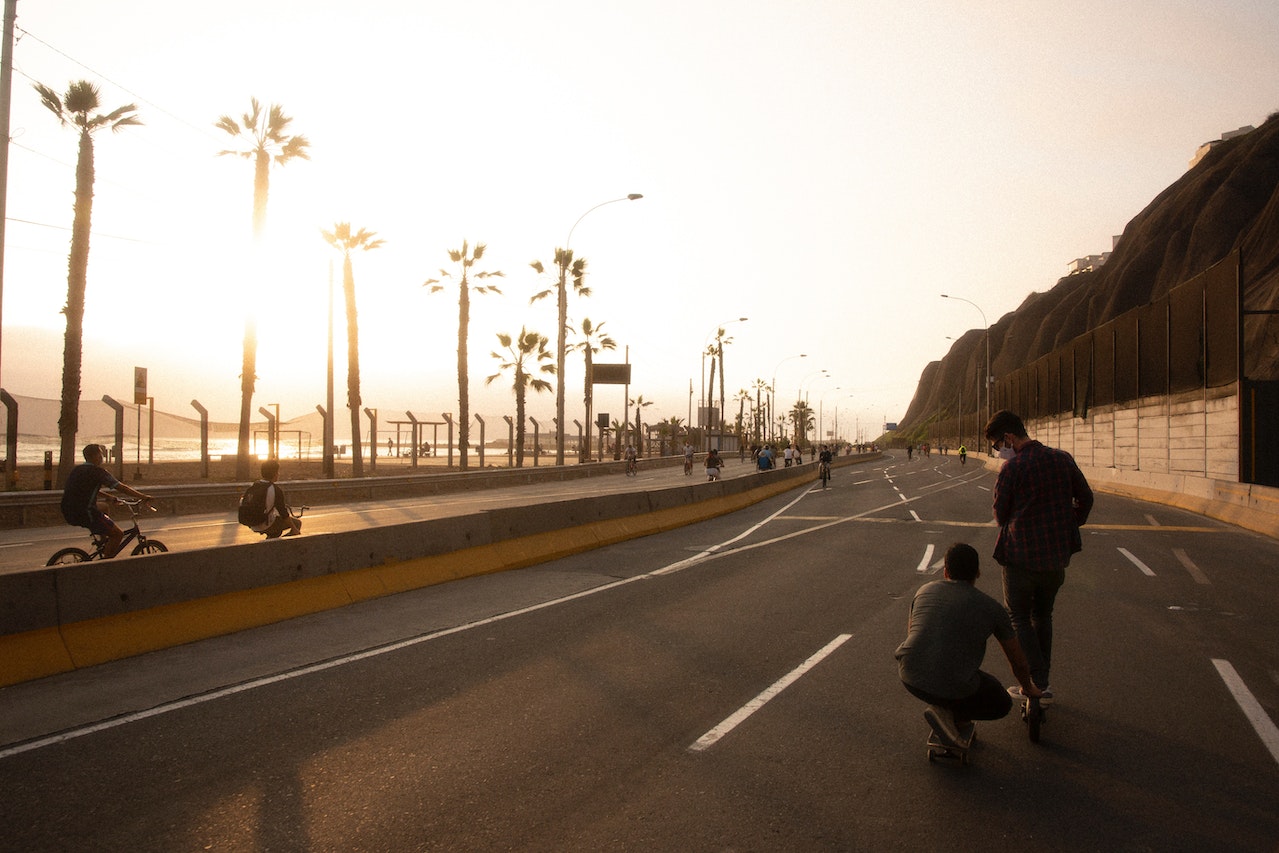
(1229, 200)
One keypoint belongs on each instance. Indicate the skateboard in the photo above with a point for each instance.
(1034, 715)
(959, 752)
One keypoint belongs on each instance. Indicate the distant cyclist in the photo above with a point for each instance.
(713, 464)
(688, 458)
(631, 456)
(963, 455)
(80, 498)
(825, 458)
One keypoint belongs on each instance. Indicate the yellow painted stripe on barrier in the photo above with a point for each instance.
(33, 654)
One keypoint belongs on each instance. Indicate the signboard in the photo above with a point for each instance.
(890, 426)
(140, 386)
(601, 420)
(610, 374)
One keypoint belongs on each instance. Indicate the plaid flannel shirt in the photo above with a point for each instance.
(1041, 500)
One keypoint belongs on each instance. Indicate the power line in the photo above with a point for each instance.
(96, 73)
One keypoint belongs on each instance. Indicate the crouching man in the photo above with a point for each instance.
(940, 660)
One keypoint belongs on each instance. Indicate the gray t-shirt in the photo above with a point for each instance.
(946, 641)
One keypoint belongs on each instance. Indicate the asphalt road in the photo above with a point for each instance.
(726, 686)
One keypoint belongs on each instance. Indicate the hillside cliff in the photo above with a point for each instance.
(1229, 200)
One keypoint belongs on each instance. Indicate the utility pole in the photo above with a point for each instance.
(6, 90)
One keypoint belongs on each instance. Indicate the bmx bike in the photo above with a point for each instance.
(146, 545)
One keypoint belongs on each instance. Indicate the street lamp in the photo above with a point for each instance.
(562, 294)
(709, 392)
(772, 411)
(986, 369)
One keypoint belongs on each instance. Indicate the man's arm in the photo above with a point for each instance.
(1021, 669)
(129, 490)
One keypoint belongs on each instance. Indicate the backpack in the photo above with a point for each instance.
(253, 504)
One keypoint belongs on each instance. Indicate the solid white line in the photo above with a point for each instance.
(915, 515)
(1194, 570)
(1262, 724)
(741, 714)
(923, 564)
(1146, 570)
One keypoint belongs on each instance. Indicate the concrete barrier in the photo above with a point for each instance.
(66, 617)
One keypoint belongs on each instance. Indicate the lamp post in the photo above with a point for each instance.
(985, 373)
(772, 390)
(328, 390)
(709, 392)
(564, 257)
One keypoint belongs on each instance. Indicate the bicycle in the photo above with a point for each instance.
(632, 467)
(146, 545)
(823, 472)
(688, 465)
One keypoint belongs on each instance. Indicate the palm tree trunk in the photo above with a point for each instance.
(249, 365)
(352, 366)
(519, 418)
(463, 391)
(77, 280)
(589, 398)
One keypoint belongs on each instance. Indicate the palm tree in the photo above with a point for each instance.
(743, 396)
(263, 138)
(525, 356)
(567, 265)
(620, 429)
(720, 340)
(593, 341)
(669, 429)
(78, 108)
(344, 241)
(467, 259)
(761, 387)
(639, 403)
(801, 417)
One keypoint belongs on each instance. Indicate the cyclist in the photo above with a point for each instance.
(630, 456)
(963, 455)
(823, 461)
(688, 458)
(713, 464)
(80, 498)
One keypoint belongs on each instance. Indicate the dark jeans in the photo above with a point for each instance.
(990, 702)
(1029, 597)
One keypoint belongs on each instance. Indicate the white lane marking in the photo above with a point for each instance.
(1146, 570)
(1194, 570)
(739, 716)
(1154, 522)
(928, 555)
(1261, 724)
(915, 516)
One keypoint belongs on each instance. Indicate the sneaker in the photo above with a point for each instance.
(1019, 695)
(942, 721)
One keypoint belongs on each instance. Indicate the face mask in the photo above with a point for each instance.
(1007, 453)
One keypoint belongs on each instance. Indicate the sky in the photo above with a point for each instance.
(824, 168)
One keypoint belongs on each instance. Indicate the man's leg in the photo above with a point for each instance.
(1019, 598)
(990, 702)
(1046, 585)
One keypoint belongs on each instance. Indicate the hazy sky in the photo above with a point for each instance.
(823, 168)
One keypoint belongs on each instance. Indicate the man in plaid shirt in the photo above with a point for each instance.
(1041, 500)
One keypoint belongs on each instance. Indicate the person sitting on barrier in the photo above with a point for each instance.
(80, 498)
(940, 660)
(263, 508)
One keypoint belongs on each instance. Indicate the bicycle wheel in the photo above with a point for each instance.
(151, 546)
(69, 555)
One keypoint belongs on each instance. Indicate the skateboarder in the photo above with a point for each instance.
(940, 660)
